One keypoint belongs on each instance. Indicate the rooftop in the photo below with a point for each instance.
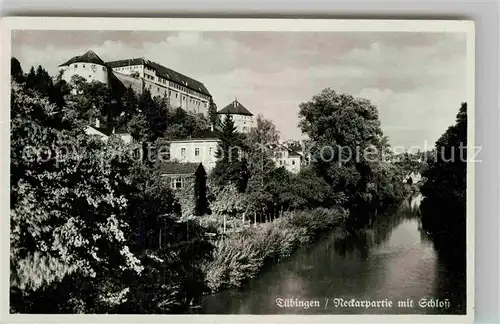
(235, 108)
(205, 135)
(164, 72)
(88, 57)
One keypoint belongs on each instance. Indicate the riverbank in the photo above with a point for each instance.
(241, 255)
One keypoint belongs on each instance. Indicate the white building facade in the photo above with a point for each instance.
(242, 117)
(197, 150)
(182, 91)
(288, 159)
(89, 66)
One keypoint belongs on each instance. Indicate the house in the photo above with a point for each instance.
(287, 158)
(104, 132)
(199, 149)
(188, 181)
(242, 117)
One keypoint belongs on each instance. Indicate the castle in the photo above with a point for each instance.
(140, 74)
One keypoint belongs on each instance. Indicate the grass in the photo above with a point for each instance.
(241, 255)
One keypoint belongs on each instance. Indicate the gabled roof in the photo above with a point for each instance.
(171, 168)
(88, 57)
(164, 72)
(235, 108)
(294, 153)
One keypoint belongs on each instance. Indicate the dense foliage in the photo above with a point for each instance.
(349, 153)
(444, 204)
(92, 228)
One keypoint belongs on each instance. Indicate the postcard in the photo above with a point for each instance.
(238, 170)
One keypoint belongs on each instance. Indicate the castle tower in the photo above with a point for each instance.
(242, 117)
(89, 66)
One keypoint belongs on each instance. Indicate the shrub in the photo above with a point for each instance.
(241, 255)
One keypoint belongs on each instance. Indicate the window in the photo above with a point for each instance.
(103, 68)
(177, 183)
(183, 152)
(83, 65)
(176, 95)
(211, 151)
(196, 151)
(76, 65)
(293, 162)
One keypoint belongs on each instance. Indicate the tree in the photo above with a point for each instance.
(16, 71)
(212, 113)
(444, 204)
(231, 166)
(261, 145)
(67, 234)
(343, 129)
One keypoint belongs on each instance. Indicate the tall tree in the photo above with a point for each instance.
(212, 113)
(343, 129)
(67, 234)
(261, 145)
(444, 191)
(231, 166)
(16, 71)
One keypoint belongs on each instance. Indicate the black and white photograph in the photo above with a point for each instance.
(241, 171)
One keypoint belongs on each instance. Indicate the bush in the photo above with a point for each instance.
(242, 255)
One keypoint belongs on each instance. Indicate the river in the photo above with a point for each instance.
(393, 261)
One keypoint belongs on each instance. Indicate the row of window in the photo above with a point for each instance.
(93, 67)
(123, 68)
(169, 93)
(197, 151)
(284, 162)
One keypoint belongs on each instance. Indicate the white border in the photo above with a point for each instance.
(228, 24)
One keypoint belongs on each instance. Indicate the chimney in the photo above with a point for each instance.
(211, 127)
(97, 123)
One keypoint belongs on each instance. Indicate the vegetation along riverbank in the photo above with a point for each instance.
(95, 229)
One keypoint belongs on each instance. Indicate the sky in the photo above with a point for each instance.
(417, 80)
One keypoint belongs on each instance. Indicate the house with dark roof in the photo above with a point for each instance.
(242, 117)
(188, 181)
(181, 90)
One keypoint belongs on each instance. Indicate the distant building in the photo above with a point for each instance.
(104, 132)
(287, 158)
(196, 150)
(242, 117)
(89, 66)
(181, 90)
(139, 74)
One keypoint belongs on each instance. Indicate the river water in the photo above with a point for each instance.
(395, 261)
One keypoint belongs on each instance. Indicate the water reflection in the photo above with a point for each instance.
(394, 259)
